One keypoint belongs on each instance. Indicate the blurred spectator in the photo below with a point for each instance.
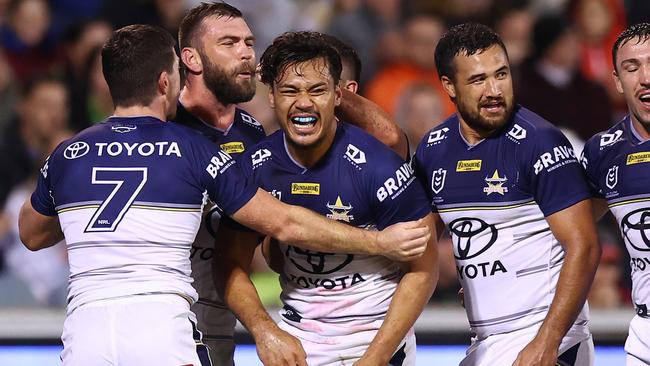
(44, 273)
(513, 21)
(29, 45)
(163, 13)
(420, 37)
(40, 123)
(8, 94)
(419, 109)
(599, 22)
(552, 85)
(369, 28)
(98, 102)
(81, 42)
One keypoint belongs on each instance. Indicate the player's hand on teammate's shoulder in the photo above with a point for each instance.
(537, 353)
(279, 348)
(404, 241)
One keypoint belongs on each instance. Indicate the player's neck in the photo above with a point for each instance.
(471, 135)
(642, 129)
(140, 111)
(201, 103)
(310, 155)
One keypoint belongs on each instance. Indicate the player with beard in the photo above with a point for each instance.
(616, 164)
(510, 189)
(219, 62)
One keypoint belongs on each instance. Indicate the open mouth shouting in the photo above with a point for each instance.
(304, 122)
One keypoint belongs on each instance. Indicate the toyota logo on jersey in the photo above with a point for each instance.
(468, 242)
(317, 262)
(635, 226)
(76, 150)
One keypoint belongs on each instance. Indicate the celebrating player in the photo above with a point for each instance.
(509, 188)
(616, 164)
(341, 308)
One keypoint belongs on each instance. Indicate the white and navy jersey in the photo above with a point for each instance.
(129, 194)
(494, 197)
(361, 182)
(215, 319)
(617, 162)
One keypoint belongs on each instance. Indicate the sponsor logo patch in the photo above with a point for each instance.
(468, 165)
(637, 158)
(234, 147)
(305, 188)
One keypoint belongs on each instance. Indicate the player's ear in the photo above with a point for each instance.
(448, 85)
(164, 84)
(192, 60)
(351, 85)
(337, 95)
(617, 82)
(271, 99)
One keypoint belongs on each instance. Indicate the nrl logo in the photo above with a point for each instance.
(495, 184)
(612, 177)
(339, 211)
(438, 180)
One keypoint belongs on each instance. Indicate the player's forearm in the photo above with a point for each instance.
(245, 303)
(411, 295)
(367, 115)
(573, 286)
(306, 229)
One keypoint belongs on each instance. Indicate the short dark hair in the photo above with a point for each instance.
(292, 48)
(132, 60)
(640, 31)
(349, 56)
(467, 38)
(193, 20)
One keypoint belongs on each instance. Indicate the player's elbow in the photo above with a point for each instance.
(30, 241)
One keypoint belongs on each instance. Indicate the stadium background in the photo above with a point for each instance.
(51, 86)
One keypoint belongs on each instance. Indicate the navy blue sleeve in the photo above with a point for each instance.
(41, 199)
(225, 182)
(417, 163)
(589, 160)
(246, 168)
(398, 194)
(556, 177)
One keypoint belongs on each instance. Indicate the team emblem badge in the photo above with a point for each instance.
(612, 177)
(495, 184)
(339, 211)
(438, 180)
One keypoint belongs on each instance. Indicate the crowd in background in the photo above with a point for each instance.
(51, 86)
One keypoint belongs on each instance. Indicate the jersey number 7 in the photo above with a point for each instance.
(127, 182)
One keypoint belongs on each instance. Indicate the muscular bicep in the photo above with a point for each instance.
(574, 225)
(38, 231)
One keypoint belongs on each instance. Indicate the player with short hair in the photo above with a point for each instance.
(219, 61)
(127, 195)
(343, 308)
(509, 188)
(616, 164)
